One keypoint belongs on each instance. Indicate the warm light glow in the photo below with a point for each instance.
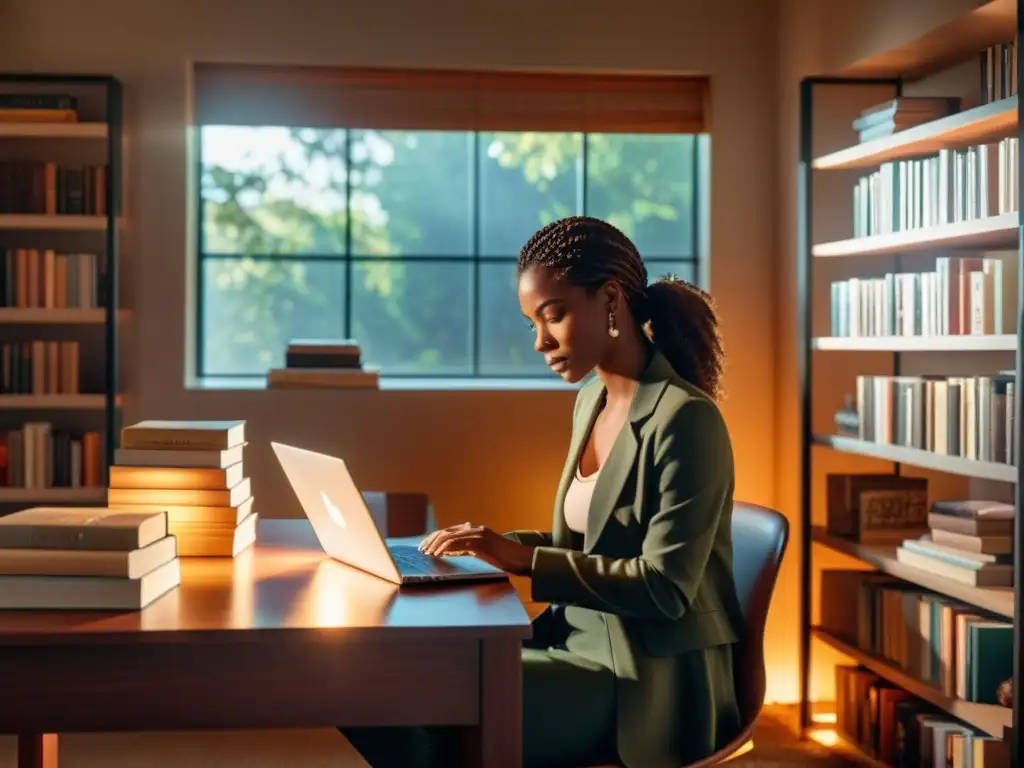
(741, 751)
(825, 736)
(824, 718)
(329, 604)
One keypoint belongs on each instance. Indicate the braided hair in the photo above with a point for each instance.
(677, 316)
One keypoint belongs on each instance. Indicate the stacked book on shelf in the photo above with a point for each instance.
(39, 368)
(193, 471)
(963, 295)
(966, 416)
(47, 188)
(38, 108)
(998, 68)
(41, 456)
(951, 186)
(324, 363)
(901, 113)
(85, 559)
(897, 728)
(955, 649)
(31, 278)
(970, 541)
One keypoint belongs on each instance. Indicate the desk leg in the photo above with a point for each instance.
(498, 741)
(37, 750)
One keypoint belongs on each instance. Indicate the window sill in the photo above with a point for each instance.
(403, 384)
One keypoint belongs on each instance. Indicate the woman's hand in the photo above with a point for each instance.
(481, 542)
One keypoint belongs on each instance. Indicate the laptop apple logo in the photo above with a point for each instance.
(333, 511)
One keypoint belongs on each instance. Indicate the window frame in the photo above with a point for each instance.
(697, 259)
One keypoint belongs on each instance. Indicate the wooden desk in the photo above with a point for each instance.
(280, 637)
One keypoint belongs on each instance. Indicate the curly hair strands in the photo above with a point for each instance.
(677, 316)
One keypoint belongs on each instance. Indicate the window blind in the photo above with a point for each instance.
(325, 97)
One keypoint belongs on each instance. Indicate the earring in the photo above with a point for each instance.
(613, 330)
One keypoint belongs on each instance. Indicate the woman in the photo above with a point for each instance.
(632, 663)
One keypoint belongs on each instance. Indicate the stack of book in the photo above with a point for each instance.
(998, 65)
(961, 296)
(955, 185)
(969, 541)
(901, 113)
(332, 364)
(85, 559)
(966, 416)
(193, 470)
(957, 649)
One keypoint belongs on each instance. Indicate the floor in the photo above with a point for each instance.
(775, 747)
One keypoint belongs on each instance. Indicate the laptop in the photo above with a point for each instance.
(347, 531)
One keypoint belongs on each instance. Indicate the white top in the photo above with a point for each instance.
(577, 501)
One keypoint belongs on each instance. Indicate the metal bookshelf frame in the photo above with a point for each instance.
(114, 105)
(805, 261)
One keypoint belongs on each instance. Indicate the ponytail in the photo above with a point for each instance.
(684, 328)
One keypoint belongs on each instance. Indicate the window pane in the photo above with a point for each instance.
(414, 317)
(252, 308)
(643, 185)
(684, 269)
(527, 180)
(412, 193)
(269, 190)
(506, 341)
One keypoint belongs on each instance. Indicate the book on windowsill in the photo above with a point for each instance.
(194, 473)
(324, 364)
(85, 559)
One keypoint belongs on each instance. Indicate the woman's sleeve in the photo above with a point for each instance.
(530, 538)
(694, 475)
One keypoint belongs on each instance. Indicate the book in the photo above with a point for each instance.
(225, 497)
(88, 593)
(184, 435)
(200, 459)
(179, 478)
(112, 563)
(81, 528)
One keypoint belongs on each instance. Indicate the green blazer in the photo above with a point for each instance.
(656, 562)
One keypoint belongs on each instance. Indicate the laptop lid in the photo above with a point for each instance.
(336, 509)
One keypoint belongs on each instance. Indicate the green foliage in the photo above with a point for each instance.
(268, 191)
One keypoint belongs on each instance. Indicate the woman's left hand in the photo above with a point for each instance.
(481, 542)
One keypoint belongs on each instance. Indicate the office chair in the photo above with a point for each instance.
(759, 538)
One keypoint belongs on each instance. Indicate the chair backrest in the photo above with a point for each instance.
(759, 538)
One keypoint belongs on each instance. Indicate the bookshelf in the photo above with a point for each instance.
(61, 178)
(887, 239)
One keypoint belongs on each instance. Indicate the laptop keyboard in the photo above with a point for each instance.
(410, 560)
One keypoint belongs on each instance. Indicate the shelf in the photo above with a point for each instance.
(53, 402)
(972, 126)
(950, 44)
(938, 462)
(957, 343)
(65, 222)
(53, 130)
(52, 495)
(35, 316)
(990, 232)
(990, 718)
(994, 599)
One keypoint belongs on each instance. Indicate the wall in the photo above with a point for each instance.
(488, 456)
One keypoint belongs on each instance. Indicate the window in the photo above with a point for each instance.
(405, 239)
